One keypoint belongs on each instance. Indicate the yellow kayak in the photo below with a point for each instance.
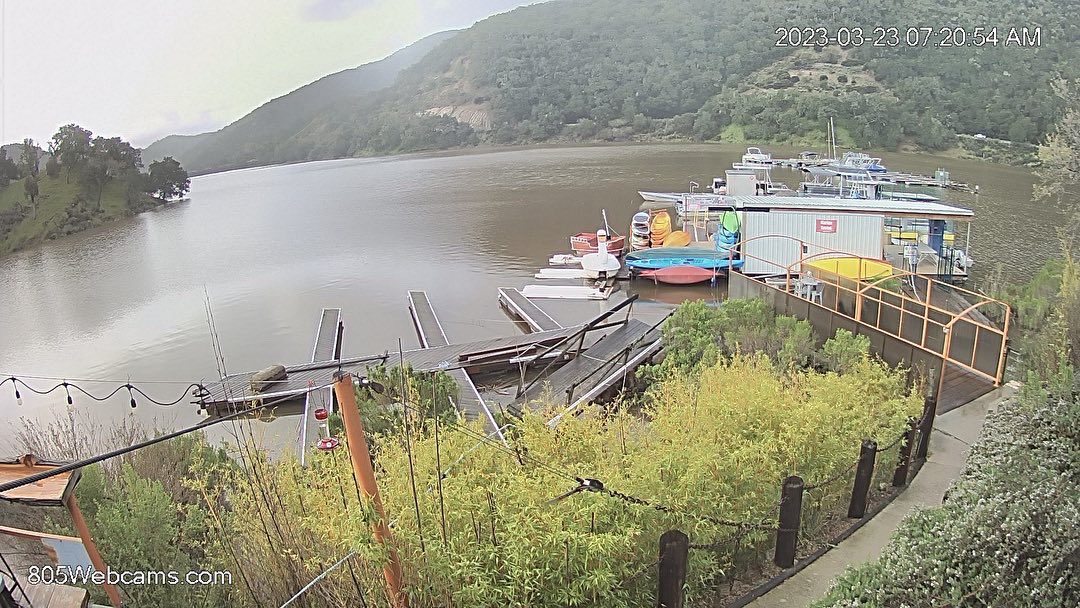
(679, 238)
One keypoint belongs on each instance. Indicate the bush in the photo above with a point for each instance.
(844, 351)
(1007, 535)
(713, 442)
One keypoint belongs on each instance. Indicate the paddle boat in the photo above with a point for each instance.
(584, 243)
(600, 264)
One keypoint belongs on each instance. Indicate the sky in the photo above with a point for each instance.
(143, 69)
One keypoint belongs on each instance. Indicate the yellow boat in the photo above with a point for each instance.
(660, 228)
(679, 238)
(852, 268)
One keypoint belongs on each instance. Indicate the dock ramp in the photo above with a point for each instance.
(525, 309)
(430, 333)
(327, 348)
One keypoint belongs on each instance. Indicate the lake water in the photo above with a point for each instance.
(273, 246)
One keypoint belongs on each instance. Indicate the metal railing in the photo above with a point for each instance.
(863, 294)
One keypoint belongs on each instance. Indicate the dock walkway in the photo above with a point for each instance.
(327, 348)
(592, 366)
(469, 403)
(492, 354)
(526, 310)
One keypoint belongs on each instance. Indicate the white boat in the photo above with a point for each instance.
(857, 163)
(600, 264)
(754, 156)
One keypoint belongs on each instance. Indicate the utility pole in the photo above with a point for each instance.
(365, 475)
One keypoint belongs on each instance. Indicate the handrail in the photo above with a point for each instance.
(861, 296)
(585, 328)
(570, 390)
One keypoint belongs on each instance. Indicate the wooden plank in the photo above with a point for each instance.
(586, 367)
(565, 292)
(561, 273)
(469, 403)
(51, 491)
(54, 596)
(527, 311)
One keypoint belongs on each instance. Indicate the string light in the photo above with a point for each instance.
(70, 401)
(18, 397)
(198, 392)
(132, 395)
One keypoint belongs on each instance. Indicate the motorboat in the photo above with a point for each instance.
(754, 156)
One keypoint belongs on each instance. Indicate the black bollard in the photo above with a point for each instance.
(674, 553)
(926, 427)
(787, 537)
(864, 475)
(903, 463)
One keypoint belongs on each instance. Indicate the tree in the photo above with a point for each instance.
(30, 187)
(29, 157)
(52, 167)
(71, 145)
(8, 169)
(168, 180)
(96, 176)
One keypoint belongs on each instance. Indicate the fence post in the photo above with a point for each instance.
(926, 426)
(674, 552)
(787, 537)
(864, 474)
(899, 478)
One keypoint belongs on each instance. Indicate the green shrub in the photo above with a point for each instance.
(1008, 534)
(845, 350)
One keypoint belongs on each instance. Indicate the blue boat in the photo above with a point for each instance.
(666, 257)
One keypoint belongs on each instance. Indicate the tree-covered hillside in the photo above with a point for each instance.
(255, 137)
(586, 70)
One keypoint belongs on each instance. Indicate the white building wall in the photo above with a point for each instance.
(851, 234)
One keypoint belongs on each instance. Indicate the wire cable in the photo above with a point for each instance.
(78, 464)
(197, 390)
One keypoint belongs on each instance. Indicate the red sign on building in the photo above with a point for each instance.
(826, 226)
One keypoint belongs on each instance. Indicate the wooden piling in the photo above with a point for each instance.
(864, 474)
(903, 463)
(787, 537)
(674, 553)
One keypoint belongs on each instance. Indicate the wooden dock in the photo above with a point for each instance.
(525, 309)
(429, 331)
(485, 355)
(327, 348)
(589, 373)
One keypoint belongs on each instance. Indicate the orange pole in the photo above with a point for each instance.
(91, 549)
(365, 475)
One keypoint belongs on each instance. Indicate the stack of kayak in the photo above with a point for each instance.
(660, 228)
(639, 231)
(680, 265)
(727, 233)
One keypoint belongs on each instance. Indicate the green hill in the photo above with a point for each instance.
(254, 138)
(617, 70)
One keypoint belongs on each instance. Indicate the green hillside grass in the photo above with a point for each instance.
(54, 217)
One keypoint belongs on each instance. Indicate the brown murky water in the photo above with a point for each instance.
(273, 246)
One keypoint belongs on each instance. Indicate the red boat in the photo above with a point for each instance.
(680, 275)
(585, 242)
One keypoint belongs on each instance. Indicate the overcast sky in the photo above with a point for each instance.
(142, 69)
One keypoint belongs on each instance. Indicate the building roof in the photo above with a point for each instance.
(891, 208)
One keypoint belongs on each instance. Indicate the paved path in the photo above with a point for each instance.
(954, 432)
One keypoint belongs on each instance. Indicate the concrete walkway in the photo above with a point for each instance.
(954, 432)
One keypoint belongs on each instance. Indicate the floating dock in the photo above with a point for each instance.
(235, 391)
(523, 308)
(327, 348)
(589, 374)
(469, 403)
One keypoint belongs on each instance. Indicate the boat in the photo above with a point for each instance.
(663, 257)
(863, 269)
(600, 264)
(660, 228)
(857, 163)
(679, 275)
(584, 243)
(754, 156)
(678, 238)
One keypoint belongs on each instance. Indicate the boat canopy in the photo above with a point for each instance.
(888, 207)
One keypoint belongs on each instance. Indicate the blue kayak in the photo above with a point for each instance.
(708, 262)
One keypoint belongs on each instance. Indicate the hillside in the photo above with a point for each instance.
(618, 70)
(253, 139)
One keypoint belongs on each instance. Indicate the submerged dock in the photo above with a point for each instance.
(429, 331)
(525, 309)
